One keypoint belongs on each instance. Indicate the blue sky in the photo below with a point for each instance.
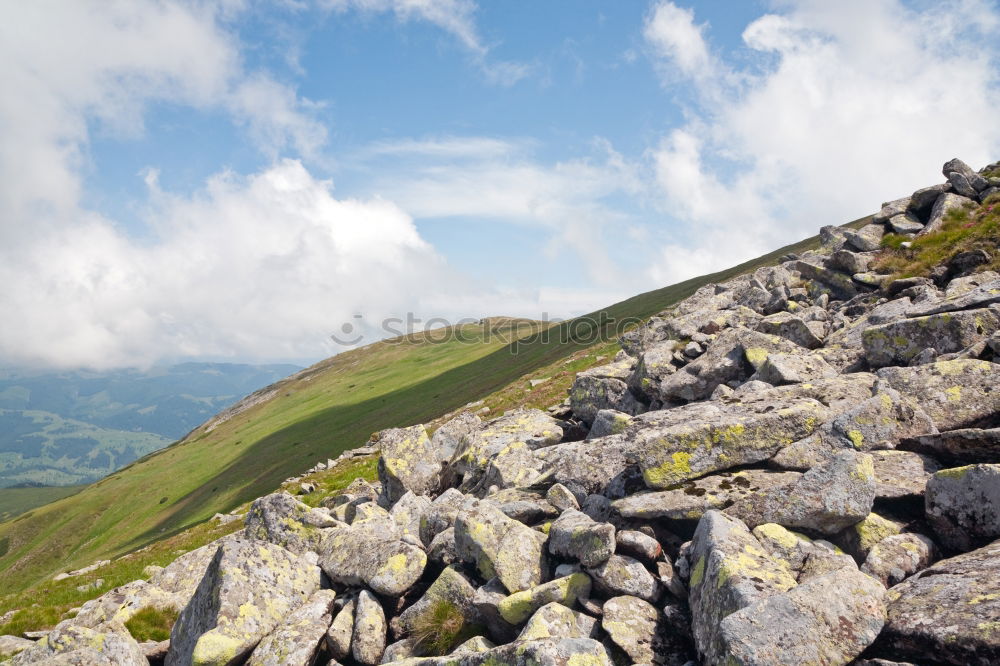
(233, 180)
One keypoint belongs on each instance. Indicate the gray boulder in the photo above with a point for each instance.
(555, 619)
(575, 535)
(367, 555)
(906, 223)
(955, 394)
(787, 325)
(514, 433)
(899, 556)
(452, 593)
(80, 646)
(247, 591)
(296, 641)
(281, 519)
(541, 652)
(368, 640)
(338, 636)
(621, 574)
(500, 546)
(950, 610)
(942, 206)
(644, 633)
(901, 474)
(962, 446)
(922, 201)
(963, 505)
(519, 606)
(898, 342)
(408, 461)
(829, 619)
(826, 499)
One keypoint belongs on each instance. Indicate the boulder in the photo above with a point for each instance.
(905, 223)
(781, 369)
(541, 652)
(922, 201)
(519, 606)
(963, 505)
(708, 437)
(787, 325)
(11, 645)
(955, 394)
(608, 422)
(451, 594)
(962, 446)
(515, 431)
(639, 545)
(730, 570)
(575, 535)
(866, 239)
(621, 574)
(901, 474)
(807, 558)
(644, 633)
(693, 498)
(281, 519)
(365, 555)
(829, 619)
(950, 610)
(70, 644)
(555, 619)
(500, 546)
(655, 364)
(247, 591)
(338, 636)
(296, 641)
(408, 461)
(891, 209)
(368, 640)
(975, 292)
(899, 556)
(860, 538)
(942, 206)
(898, 342)
(826, 499)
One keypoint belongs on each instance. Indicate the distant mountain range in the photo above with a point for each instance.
(64, 428)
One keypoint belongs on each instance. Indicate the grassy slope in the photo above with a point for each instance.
(15, 501)
(329, 408)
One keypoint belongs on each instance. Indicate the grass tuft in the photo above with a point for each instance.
(438, 630)
(152, 624)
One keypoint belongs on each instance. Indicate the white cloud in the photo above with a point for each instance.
(266, 266)
(672, 32)
(68, 64)
(841, 106)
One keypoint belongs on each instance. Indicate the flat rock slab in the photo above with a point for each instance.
(950, 610)
(955, 394)
(898, 342)
(963, 505)
(965, 446)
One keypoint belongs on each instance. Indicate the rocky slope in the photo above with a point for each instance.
(798, 466)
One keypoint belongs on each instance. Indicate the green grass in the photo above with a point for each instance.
(46, 603)
(152, 624)
(439, 629)
(15, 501)
(328, 408)
(963, 230)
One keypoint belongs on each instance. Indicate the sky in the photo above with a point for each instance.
(271, 181)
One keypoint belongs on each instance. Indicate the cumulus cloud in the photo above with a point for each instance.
(265, 266)
(836, 107)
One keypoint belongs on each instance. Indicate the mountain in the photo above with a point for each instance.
(66, 428)
(316, 414)
(797, 465)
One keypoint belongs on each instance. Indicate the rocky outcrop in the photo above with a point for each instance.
(767, 473)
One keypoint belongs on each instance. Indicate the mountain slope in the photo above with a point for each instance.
(319, 412)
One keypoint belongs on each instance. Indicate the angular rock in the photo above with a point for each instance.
(879, 422)
(781, 369)
(541, 652)
(942, 205)
(730, 570)
(408, 461)
(643, 632)
(515, 431)
(368, 640)
(555, 619)
(897, 557)
(793, 328)
(978, 295)
(82, 646)
(717, 437)
(608, 422)
(283, 520)
(694, 498)
(500, 546)
(519, 606)
(860, 538)
(247, 591)
(805, 557)
(590, 394)
(950, 610)
(955, 394)
(359, 555)
(11, 645)
(625, 575)
(963, 446)
(922, 201)
(447, 439)
(829, 619)
(561, 497)
(849, 262)
(891, 209)
(897, 343)
(866, 239)
(827, 498)
(296, 641)
(901, 474)
(338, 636)
(963, 505)
(655, 364)
(638, 545)
(575, 535)
(905, 223)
